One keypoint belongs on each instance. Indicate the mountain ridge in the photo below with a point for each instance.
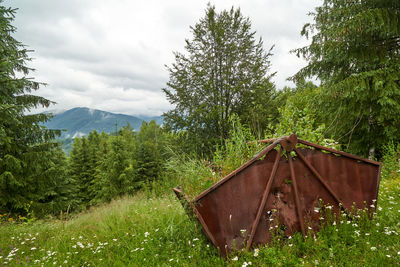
(80, 121)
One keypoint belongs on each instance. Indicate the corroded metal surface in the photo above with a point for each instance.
(282, 188)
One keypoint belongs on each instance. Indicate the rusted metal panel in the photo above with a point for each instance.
(283, 191)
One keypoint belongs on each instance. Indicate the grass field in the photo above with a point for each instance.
(155, 231)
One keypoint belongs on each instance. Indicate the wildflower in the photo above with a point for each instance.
(195, 239)
(235, 258)
(243, 231)
(256, 251)
(246, 264)
(379, 208)
(373, 248)
(146, 234)
(171, 259)
(115, 239)
(157, 230)
(33, 248)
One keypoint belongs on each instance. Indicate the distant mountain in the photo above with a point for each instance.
(81, 121)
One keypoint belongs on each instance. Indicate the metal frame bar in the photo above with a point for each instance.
(338, 152)
(317, 175)
(264, 198)
(296, 194)
(187, 203)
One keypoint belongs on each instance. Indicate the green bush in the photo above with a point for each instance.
(390, 159)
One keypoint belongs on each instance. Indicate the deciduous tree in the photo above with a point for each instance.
(223, 72)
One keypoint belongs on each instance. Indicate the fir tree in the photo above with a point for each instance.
(355, 52)
(25, 146)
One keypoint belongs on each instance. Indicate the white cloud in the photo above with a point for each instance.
(110, 55)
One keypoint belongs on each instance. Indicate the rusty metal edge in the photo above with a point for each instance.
(187, 203)
(377, 186)
(348, 155)
(241, 168)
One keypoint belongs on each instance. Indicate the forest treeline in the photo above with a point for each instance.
(220, 85)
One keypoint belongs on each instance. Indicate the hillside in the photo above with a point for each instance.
(146, 230)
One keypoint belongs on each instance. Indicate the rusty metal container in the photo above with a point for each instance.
(282, 188)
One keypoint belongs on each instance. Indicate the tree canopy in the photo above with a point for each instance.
(355, 53)
(223, 72)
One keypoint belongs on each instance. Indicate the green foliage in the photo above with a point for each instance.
(224, 72)
(237, 149)
(31, 163)
(300, 116)
(391, 160)
(103, 167)
(118, 169)
(150, 151)
(195, 174)
(354, 52)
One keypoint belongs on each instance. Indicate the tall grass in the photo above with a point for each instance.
(196, 175)
(143, 231)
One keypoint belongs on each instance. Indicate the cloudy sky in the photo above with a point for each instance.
(111, 55)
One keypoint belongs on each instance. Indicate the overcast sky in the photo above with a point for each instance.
(111, 55)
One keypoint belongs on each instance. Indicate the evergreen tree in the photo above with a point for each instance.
(223, 72)
(80, 170)
(150, 151)
(26, 147)
(355, 52)
(118, 170)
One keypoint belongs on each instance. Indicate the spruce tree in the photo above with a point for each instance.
(25, 145)
(355, 52)
(150, 151)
